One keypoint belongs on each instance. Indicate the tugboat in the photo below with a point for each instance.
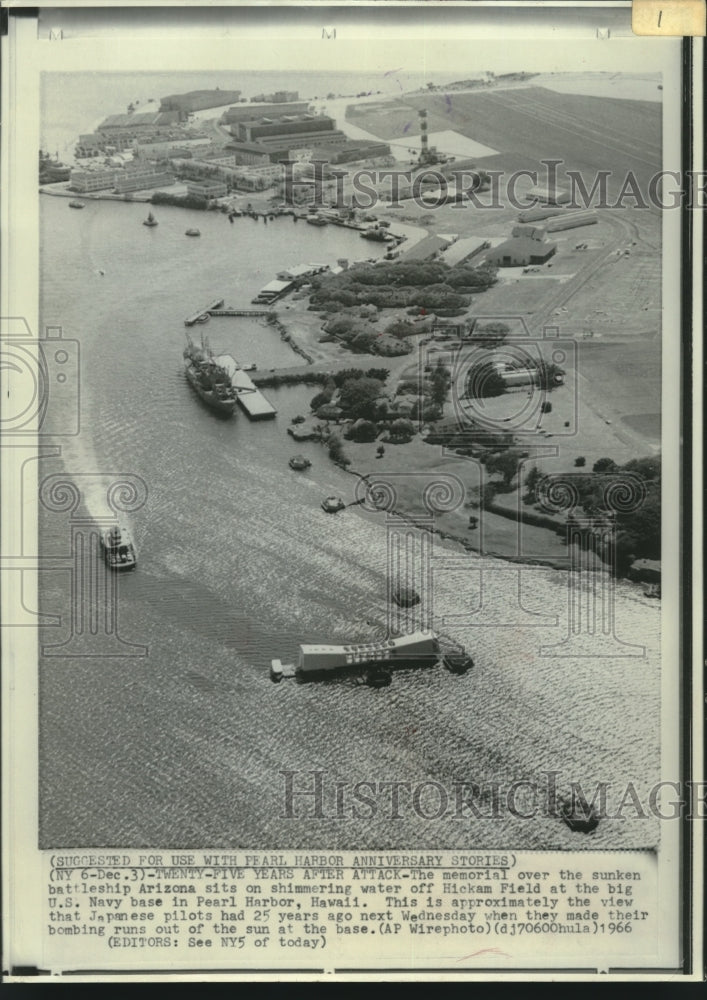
(150, 220)
(118, 548)
(299, 463)
(76, 204)
(209, 380)
(192, 232)
(332, 505)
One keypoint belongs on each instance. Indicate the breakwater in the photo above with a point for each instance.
(287, 337)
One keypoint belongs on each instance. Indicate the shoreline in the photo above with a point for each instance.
(467, 544)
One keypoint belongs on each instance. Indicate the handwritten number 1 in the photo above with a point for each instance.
(660, 14)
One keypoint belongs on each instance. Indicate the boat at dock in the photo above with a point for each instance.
(118, 548)
(221, 382)
(150, 221)
(209, 379)
(74, 203)
(317, 220)
(377, 235)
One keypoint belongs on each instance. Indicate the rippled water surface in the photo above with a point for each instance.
(237, 563)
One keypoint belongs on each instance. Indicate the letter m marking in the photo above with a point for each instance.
(56, 34)
(329, 33)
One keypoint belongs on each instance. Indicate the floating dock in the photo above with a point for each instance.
(250, 399)
(195, 317)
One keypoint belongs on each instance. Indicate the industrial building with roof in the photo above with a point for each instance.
(571, 221)
(425, 249)
(246, 112)
(119, 179)
(207, 189)
(464, 249)
(520, 251)
(548, 195)
(265, 127)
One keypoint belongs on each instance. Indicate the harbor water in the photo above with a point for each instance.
(237, 564)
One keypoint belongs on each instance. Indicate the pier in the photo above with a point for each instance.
(195, 317)
(250, 399)
(238, 312)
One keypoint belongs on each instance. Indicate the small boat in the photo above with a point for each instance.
(76, 204)
(457, 662)
(580, 817)
(150, 220)
(248, 366)
(406, 597)
(378, 677)
(332, 505)
(192, 232)
(299, 463)
(118, 548)
(316, 220)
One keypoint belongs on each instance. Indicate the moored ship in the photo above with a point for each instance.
(118, 549)
(208, 379)
(150, 220)
(377, 235)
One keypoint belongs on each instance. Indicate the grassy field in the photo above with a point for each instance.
(587, 133)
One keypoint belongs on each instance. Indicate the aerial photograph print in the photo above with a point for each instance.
(352, 535)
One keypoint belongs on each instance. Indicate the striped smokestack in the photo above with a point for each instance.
(423, 135)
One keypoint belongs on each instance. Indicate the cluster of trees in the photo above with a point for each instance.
(638, 532)
(336, 451)
(181, 200)
(356, 395)
(430, 285)
(362, 337)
